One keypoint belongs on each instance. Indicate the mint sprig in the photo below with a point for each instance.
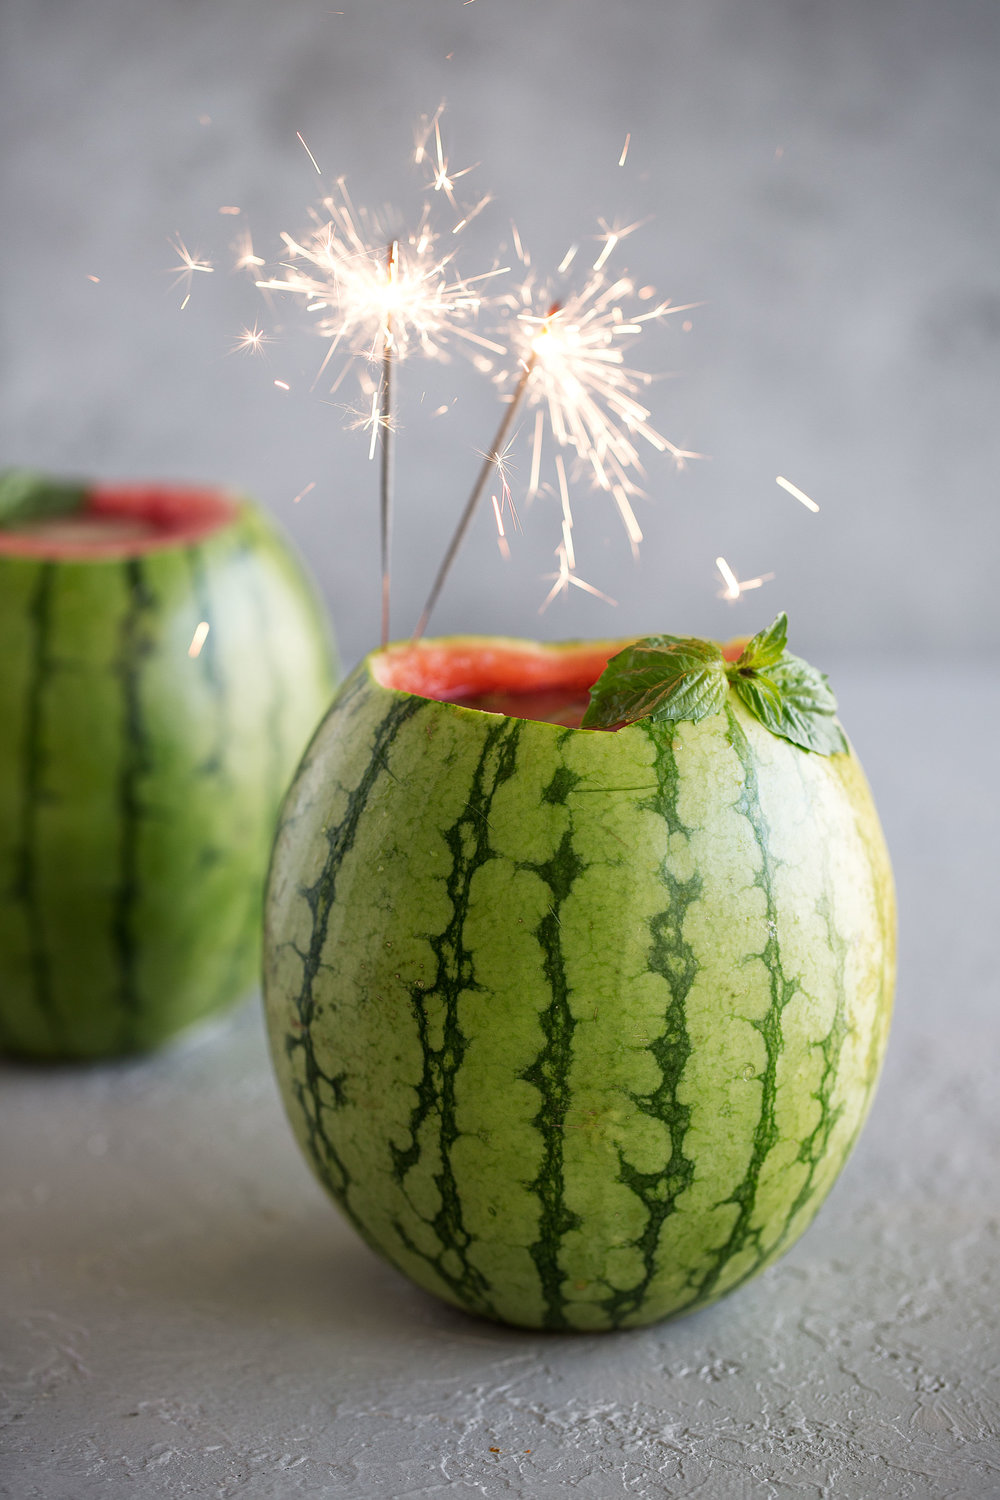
(664, 677)
(670, 678)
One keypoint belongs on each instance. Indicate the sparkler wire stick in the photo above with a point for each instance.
(387, 476)
(489, 464)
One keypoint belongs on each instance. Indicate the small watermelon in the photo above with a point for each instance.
(578, 1025)
(163, 660)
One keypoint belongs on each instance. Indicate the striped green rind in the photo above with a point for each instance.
(578, 1027)
(139, 787)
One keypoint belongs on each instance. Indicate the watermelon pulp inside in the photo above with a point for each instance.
(521, 679)
(117, 520)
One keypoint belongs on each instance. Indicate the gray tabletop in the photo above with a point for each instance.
(185, 1314)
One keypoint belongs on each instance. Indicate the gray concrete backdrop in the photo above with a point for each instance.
(823, 178)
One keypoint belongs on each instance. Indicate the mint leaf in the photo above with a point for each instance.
(663, 677)
(793, 700)
(667, 678)
(766, 648)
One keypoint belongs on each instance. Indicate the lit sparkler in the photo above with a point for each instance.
(378, 297)
(375, 297)
(386, 481)
(571, 366)
(339, 270)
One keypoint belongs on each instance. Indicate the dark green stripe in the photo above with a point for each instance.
(765, 1134)
(135, 644)
(468, 842)
(674, 959)
(320, 898)
(33, 760)
(550, 1074)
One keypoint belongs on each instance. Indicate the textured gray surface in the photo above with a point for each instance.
(185, 1315)
(825, 179)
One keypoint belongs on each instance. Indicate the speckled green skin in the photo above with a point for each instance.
(139, 787)
(577, 1027)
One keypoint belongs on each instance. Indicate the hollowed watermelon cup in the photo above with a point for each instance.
(140, 776)
(578, 1027)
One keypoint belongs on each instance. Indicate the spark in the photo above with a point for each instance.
(632, 528)
(371, 416)
(536, 453)
(230, 208)
(95, 279)
(567, 520)
(442, 179)
(498, 515)
(309, 153)
(199, 638)
(304, 492)
(734, 588)
(612, 238)
(246, 260)
(501, 462)
(628, 142)
(567, 260)
(564, 577)
(282, 385)
(189, 262)
(250, 341)
(793, 489)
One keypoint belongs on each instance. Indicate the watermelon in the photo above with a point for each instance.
(163, 661)
(577, 1026)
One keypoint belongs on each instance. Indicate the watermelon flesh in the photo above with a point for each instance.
(577, 1028)
(521, 680)
(114, 521)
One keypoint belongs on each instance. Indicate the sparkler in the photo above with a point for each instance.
(380, 304)
(387, 475)
(340, 271)
(572, 367)
(490, 462)
(375, 296)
